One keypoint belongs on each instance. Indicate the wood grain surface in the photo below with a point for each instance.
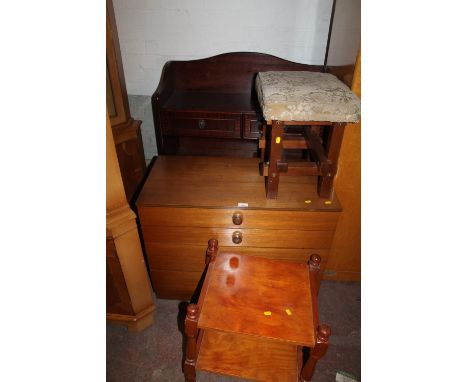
(179, 256)
(188, 200)
(242, 288)
(247, 357)
(179, 285)
(225, 182)
(210, 102)
(222, 83)
(345, 255)
(222, 217)
(125, 264)
(250, 237)
(198, 124)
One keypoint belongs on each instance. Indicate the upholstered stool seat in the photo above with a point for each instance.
(319, 102)
(306, 96)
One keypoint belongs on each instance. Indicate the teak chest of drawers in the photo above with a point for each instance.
(188, 200)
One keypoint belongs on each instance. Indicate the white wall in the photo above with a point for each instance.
(346, 33)
(152, 32)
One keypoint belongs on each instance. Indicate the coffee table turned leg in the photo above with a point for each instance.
(332, 150)
(314, 271)
(191, 330)
(321, 346)
(322, 333)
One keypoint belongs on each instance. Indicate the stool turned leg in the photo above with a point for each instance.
(276, 152)
(191, 331)
(263, 135)
(321, 346)
(212, 251)
(332, 150)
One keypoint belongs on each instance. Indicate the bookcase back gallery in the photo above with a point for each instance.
(210, 107)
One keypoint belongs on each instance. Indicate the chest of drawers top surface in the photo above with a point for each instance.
(226, 182)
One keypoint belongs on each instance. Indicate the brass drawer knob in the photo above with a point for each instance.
(237, 218)
(237, 237)
(201, 124)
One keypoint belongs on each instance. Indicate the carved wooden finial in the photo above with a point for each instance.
(213, 245)
(314, 262)
(211, 251)
(323, 333)
(192, 311)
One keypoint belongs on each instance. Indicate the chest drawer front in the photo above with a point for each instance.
(176, 269)
(193, 124)
(239, 237)
(191, 258)
(227, 218)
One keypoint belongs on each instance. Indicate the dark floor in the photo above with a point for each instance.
(156, 353)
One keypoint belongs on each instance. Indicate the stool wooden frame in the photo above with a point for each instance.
(323, 152)
(229, 349)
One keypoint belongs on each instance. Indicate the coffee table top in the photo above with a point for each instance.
(260, 297)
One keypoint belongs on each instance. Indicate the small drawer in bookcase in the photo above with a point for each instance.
(202, 124)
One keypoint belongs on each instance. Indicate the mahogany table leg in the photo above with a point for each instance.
(314, 271)
(191, 331)
(335, 137)
(321, 346)
(276, 151)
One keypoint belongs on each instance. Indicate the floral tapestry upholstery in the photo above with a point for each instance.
(306, 96)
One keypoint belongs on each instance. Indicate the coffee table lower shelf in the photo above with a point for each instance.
(248, 357)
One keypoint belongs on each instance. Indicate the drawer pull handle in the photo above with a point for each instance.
(201, 124)
(237, 237)
(237, 218)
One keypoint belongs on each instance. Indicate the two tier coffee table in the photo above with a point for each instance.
(256, 319)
